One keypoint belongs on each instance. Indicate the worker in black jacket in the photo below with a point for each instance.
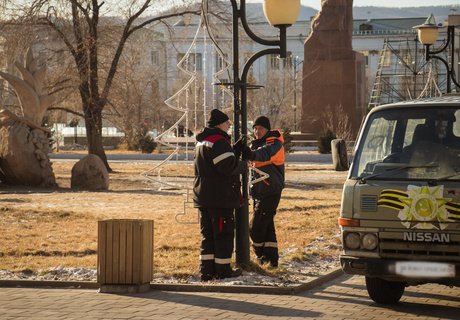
(216, 194)
(267, 155)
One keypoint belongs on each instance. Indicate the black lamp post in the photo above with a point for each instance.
(281, 14)
(294, 106)
(74, 123)
(428, 34)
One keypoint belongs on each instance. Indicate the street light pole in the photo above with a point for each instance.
(428, 33)
(294, 106)
(295, 94)
(280, 18)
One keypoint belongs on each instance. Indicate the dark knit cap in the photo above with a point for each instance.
(217, 117)
(262, 121)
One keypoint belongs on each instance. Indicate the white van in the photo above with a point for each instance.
(400, 213)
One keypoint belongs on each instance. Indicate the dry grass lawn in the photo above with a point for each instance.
(44, 228)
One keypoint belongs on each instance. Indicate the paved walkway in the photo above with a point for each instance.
(343, 298)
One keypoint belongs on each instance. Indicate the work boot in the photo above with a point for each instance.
(262, 260)
(232, 273)
(274, 264)
(207, 270)
(207, 277)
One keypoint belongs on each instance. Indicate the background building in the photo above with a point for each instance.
(148, 73)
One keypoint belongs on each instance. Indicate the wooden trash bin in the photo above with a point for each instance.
(125, 255)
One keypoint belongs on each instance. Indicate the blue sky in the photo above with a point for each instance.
(387, 3)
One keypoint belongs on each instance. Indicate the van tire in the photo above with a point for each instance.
(383, 291)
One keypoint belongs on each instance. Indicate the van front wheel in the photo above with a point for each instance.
(384, 292)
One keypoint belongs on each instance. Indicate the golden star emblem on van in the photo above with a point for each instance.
(421, 207)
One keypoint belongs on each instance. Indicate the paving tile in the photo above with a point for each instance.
(343, 298)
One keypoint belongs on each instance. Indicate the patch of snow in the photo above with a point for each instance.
(293, 273)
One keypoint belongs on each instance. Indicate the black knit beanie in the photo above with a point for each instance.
(217, 117)
(262, 121)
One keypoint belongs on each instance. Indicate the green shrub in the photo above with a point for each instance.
(140, 140)
(147, 144)
(287, 140)
(324, 141)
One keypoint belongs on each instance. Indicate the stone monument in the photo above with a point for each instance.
(334, 91)
(24, 144)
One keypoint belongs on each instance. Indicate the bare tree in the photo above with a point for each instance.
(135, 96)
(276, 98)
(335, 119)
(78, 24)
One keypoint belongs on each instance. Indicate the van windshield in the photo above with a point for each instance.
(410, 143)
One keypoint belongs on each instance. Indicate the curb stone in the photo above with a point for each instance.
(251, 289)
(183, 287)
(48, 284)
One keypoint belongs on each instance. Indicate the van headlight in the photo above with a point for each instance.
(369, 241)
(352, 240)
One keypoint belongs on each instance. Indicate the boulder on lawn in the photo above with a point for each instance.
(90, 173)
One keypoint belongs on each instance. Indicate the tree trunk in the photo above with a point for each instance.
(93, 123)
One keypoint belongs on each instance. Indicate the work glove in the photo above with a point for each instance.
(238, 146)
(247, 153)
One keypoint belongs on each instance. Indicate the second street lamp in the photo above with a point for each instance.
(428, 34)
(296, 63)
(281, 14)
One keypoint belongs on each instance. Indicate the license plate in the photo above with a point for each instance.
(424, 269)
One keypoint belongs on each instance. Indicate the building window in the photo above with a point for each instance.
(288, 61)
(197, 60)
(274, 110)
(180, 56)
(219, 62)
(194, 61)
(387, 58)
(274, 62)
(386, 84)
(246, 57)
(155, 57)
(406, 55)
(365, 27)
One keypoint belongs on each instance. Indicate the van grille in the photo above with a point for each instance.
(369, 203)
(397, 248)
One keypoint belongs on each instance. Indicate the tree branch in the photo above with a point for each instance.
(61, 35)
(128, 31)
(80, 60)
(172, 15)
(68, 110)
(82, 9)
(93, 49)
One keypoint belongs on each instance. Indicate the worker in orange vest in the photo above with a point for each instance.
(267, 155)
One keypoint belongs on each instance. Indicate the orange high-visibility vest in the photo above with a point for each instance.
(278, 158)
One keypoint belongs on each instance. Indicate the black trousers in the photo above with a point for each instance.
(262, 229)
(217, 234)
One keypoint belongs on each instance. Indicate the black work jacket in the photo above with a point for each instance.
(268, 156)
(216, 183)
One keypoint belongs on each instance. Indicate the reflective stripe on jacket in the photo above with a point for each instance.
(216, 183)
